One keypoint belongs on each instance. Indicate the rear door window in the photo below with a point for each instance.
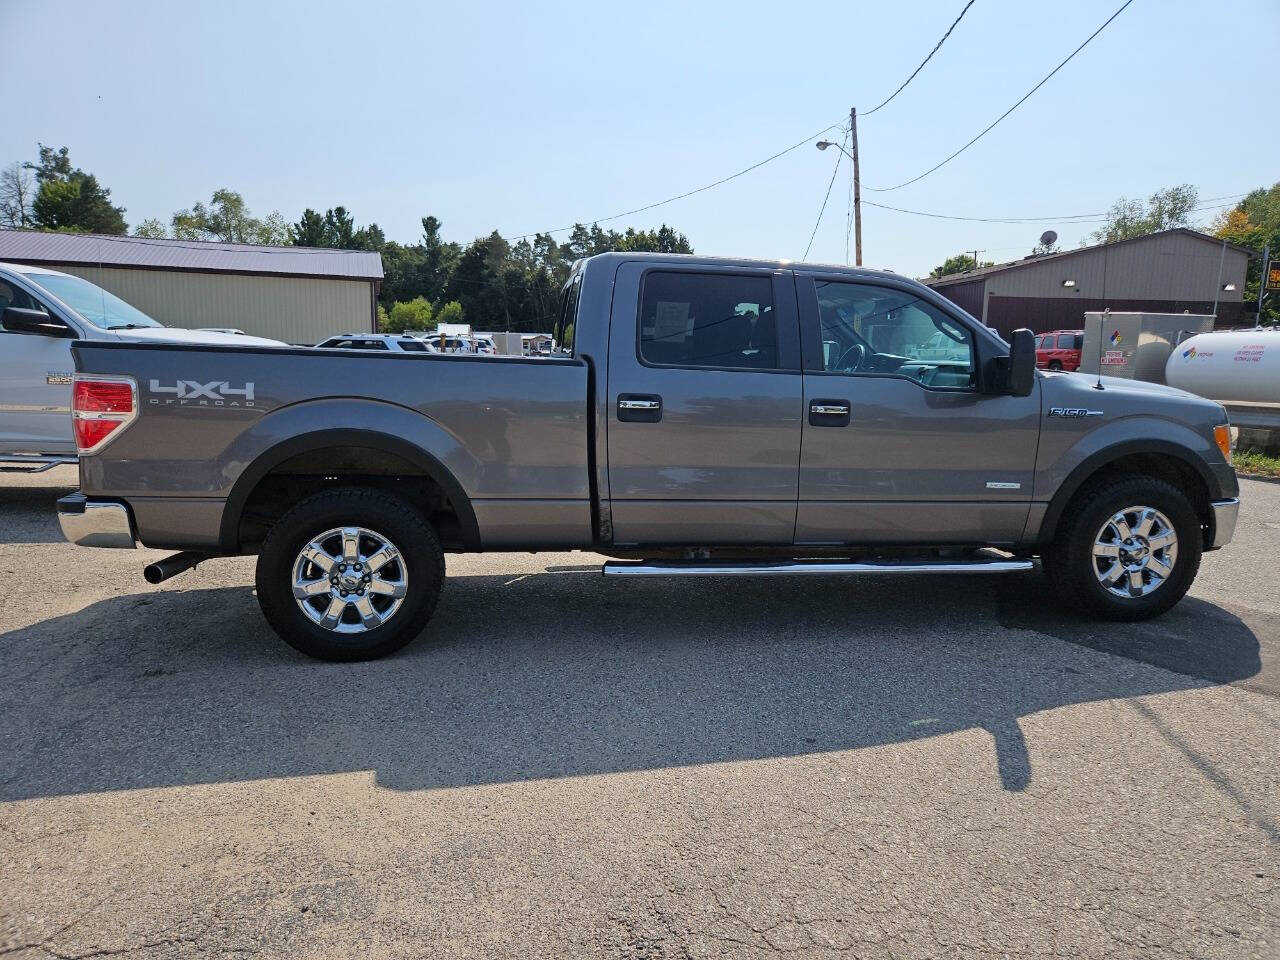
(1065, 341)
(717, 320)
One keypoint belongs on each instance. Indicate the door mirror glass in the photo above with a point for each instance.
(1022, 363)
(22, 320)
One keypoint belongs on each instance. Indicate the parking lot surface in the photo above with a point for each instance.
(564, 766)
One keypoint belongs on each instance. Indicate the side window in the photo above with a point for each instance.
(1077, 341)
(1065, 341)
(1044, 343)
(708, 320)
(880, 331)
(568, 320)
(413, 346)
(14, 296)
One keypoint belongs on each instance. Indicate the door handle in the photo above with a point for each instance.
(639, 408)
(829, 413)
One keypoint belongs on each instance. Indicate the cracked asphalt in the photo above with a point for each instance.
(564, 767)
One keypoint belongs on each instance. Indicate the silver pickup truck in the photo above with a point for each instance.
(700, 417)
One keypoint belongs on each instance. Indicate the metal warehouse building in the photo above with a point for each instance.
(1168, 272)
(296, 294)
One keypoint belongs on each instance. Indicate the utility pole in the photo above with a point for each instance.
(1262, 282)
(975, 253)
(857, 189)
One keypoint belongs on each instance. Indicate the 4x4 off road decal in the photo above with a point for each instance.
(215, 393)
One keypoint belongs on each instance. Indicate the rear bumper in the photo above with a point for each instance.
(1225, 513)
(95, 523)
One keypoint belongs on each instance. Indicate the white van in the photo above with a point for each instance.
(41, 312)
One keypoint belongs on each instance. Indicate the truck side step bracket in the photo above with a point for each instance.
(791, 568)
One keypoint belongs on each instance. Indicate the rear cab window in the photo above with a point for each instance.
(725, 321)
(563, 335)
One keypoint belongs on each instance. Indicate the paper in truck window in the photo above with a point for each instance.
(671, 322)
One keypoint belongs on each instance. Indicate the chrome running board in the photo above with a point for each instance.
(791, 568)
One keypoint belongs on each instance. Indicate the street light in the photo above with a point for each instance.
(823, 144)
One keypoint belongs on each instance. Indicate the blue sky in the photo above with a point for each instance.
(524, 117)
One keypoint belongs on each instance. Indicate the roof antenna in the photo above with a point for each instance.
(1104, 321)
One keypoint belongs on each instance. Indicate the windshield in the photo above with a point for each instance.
(96, 305)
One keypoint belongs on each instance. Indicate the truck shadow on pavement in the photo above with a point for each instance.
(558, 674)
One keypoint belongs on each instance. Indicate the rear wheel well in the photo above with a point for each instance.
(1162, 466)
(312, 471)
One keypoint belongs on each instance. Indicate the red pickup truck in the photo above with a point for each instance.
(1059, 349)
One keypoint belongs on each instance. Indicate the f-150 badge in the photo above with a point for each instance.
(1072, 412)
(215, 393)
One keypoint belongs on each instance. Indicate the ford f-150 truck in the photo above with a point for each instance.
(700, 417)
(41, 312)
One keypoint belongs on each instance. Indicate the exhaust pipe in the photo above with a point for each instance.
(162, 570)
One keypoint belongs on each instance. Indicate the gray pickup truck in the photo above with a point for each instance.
(700, 417)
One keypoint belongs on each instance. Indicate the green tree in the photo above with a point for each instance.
(228, 219)
(336, 229)
(67, 198)
(151, 228)
(413, 314)
(958, 263)
(1163, 210)
(450, 312)
(1254, 222)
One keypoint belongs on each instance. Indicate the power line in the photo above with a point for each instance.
(688, 193)
(937, 46)
(827, 196)
(1068, 219)
(1024, 99)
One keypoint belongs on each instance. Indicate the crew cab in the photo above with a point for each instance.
(701, 416)
(1059, 350)
(41, 313)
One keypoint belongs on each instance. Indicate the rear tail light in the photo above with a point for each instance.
(101, 407)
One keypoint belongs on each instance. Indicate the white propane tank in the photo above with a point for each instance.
(1240, 365)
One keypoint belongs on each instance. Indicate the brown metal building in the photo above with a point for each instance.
(1167, 272)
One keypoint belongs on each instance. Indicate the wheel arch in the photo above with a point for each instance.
(262, 467)
(1160, 458)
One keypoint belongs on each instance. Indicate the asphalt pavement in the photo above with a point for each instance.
(564, 766)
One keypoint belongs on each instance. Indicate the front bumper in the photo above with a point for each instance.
(95, 523)
(1225, 513)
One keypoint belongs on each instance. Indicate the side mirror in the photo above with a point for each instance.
(22, 320)
(1022, 363)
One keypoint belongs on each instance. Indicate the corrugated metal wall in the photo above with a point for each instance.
(1167, 266)
(1163, 273)
(293, 309)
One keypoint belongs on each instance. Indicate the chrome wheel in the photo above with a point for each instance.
(349, 580)
(1135, 551)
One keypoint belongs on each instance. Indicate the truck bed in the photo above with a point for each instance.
(512, 431)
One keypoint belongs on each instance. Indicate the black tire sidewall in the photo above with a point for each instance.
(386, 515)
(1074, 560)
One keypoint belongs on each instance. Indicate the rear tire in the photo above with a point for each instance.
(350, 574)
(1095, 570)
(1055, 364)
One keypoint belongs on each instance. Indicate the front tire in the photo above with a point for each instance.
(1127, 549)
(1055, 364)
(350, 574)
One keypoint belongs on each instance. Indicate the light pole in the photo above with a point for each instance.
(857, 182)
